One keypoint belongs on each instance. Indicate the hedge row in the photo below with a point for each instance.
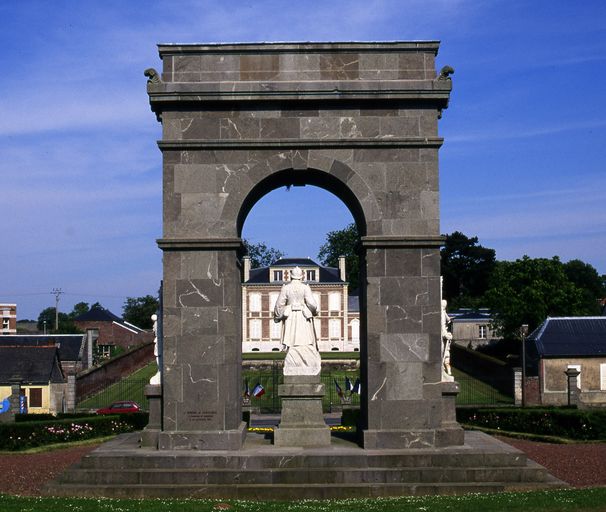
(28, 434)
(560, 422)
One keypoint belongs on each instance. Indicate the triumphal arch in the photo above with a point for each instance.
(359, 120)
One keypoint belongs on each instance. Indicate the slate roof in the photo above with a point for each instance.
(353, 303)
(69, 345)
(327, 274)
(97, 314)
(570, 337)
(470, 317)
(289, 262)
(31, 364)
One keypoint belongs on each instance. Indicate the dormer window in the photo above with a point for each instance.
(310, 275)
(278, 275)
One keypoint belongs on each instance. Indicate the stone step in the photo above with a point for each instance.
(231, 461)
(275, 492)
(304, 475)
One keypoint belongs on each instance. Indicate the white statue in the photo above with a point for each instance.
(295, 308)
(157, 378)
(446, 341)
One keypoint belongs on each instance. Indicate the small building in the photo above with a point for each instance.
(559, 344)
(38, 371)
(8, 317)
(338, 321)
(471, 328)
(74, 355)
(107, 332)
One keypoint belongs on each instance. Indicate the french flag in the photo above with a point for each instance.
(258, 390)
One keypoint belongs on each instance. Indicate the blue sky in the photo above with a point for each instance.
(522, 167)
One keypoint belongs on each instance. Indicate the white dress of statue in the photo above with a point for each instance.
(446, 341)
(295, 308)
(156, 379)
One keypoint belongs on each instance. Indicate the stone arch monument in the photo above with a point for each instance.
(358, 119)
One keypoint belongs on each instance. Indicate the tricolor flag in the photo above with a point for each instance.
(347, 384)
(246, 389)
(356, 387)
(258, 390)
(338, 388)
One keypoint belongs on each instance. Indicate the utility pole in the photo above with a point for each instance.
(57, 293)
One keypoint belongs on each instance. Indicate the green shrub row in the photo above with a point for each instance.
(29, 434)
(577, 424)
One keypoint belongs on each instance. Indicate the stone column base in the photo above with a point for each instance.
(302, 422)
(203, 439)
(150, 434)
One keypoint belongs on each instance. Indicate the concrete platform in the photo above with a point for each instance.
(262, 471)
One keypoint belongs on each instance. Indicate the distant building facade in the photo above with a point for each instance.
(107, 331)
(559, 344)
(471, 328)
(337, 324)
(8, 317)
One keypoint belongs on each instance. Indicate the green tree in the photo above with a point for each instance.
(466, 268)
(586, 277)
(343, 242)
(66, 323)
(79, 309)
(261, 255)
(138, 310)
(527, 291)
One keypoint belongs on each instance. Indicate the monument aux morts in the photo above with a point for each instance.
(357, 119)
(360, 120)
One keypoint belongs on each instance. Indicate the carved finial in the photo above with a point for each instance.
(445, 73)
(152, 76)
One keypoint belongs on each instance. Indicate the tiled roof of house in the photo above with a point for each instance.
(69, 345)
(571, 336)
(471, 316)
(32, 364)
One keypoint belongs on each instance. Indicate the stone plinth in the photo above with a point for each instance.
(149, 436)
(302, 422)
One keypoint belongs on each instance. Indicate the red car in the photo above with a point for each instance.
(120, 408)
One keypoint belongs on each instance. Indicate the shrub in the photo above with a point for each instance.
(561, 422)
(23, 435)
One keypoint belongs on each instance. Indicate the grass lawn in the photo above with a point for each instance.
(476, 392)
(544, 501)
(130, 388)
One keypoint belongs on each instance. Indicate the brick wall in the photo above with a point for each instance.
(96, 379)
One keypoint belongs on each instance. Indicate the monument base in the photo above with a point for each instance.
(302, 422)
(151, 433)
(203, 439)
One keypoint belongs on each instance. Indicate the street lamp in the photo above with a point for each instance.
(44, 322)
(523, 334)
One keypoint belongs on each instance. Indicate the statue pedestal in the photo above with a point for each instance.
(302, 422)
(151, 433)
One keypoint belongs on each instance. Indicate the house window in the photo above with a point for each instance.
(334, 329)
(255, 329)
(278, 275)
(5, 323)
(273, 297)
(355, 330)
(275, 329)
(255, 302)
(483, 332)
(35, 397)
(104, 351)
(310, 275)
(317, 298)
(576, 367)
(603, 376)
(334, 301)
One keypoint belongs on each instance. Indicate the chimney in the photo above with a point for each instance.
(246, 261)
(342, 268)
